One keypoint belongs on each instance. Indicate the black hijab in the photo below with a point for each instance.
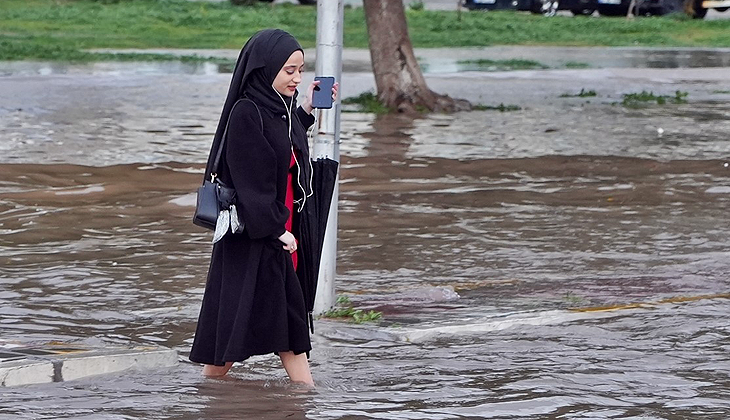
(256, 68)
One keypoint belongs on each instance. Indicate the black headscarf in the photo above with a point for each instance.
(256, 68)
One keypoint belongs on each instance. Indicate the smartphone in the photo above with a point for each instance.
(322, 97)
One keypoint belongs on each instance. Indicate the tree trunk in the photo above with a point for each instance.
(398, 77)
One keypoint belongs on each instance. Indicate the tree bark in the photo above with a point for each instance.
(398, 77)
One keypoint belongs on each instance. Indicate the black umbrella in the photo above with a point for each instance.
(312, 225)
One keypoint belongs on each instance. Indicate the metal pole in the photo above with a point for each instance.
(327, 138)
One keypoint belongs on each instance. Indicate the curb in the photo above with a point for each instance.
(54, 363)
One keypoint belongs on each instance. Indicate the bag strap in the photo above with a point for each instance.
(219, 153)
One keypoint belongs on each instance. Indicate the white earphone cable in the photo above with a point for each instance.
(302, 201)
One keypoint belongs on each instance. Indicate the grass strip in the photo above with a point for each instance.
(582, 94)
(500, 65)
(636, 100)
(366, 102)
(576, 65)
(62, 29)
(344, 310)
(501, 108)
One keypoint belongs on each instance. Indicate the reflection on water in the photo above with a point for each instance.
(431, 62)
(442, 219)
(689, 131)
(111, 68)
(153, 131)
(581, 57)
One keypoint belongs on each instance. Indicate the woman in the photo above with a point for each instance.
(253, 302)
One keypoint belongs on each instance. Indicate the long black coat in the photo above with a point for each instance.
(253, 302)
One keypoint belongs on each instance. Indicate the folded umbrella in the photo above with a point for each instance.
(312, 226)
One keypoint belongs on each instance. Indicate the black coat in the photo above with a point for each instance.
(253, 302)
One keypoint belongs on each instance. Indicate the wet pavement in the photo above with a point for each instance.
(510, 222)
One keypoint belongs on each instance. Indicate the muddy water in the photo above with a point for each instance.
(443, 219)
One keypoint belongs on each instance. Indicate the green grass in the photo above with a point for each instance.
(62, 29)
(500, 65)
(344, 309)
(416, 5)
(439, 28)
(582, 94)
(501, 108)
(572, 298)
(367, 102)
(576, 65)
(636, 100)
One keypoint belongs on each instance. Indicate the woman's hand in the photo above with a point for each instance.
(307, 103)
(290, 242)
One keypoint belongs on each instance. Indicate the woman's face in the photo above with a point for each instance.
(290, 75)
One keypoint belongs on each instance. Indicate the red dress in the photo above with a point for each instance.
(290, 203)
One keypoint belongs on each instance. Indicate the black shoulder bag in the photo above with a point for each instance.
(215, 197)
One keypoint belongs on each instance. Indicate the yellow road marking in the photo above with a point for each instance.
(677, 299)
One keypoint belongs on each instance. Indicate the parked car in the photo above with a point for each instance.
(550, 7)
(490, 4)
(695, 8)
(643, 7)
(544, 7)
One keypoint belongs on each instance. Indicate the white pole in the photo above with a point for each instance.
(327, 138)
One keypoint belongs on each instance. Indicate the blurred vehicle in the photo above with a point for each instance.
(311, 2)
(543, 7)
(490, 4)
(550, 7)
(694, 8)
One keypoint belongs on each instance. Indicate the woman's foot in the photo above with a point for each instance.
(213, 371)
(297, 367)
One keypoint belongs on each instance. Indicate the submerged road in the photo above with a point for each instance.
(564, 260)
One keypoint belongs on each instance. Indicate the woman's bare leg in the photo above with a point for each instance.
(213, 371)
(297, 367)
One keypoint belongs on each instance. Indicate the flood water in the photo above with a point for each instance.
(445, 220)
(431, 60)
